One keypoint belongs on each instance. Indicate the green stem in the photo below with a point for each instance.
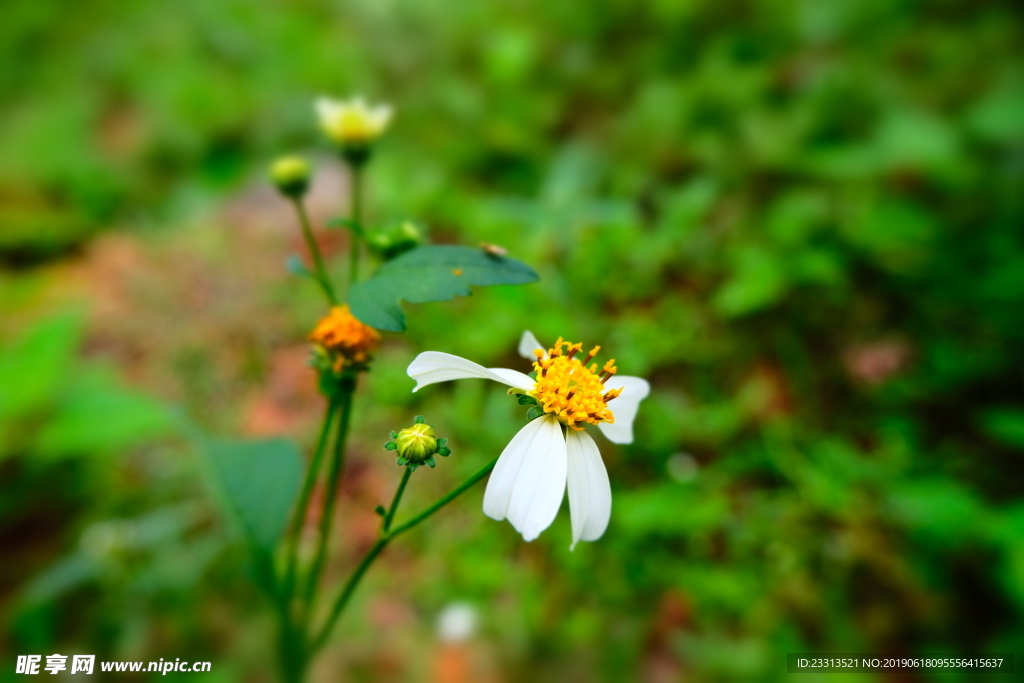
(333, 479)
(398, 497)
(356, 207)
(291, 553)
(314, 251)
(292, 663)
(452, 495)
(364, 564)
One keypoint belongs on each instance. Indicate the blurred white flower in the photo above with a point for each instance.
(457, 622)
(552, 451)
(353, 122)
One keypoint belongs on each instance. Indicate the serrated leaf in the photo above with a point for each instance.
(433, 273)
(260, 481)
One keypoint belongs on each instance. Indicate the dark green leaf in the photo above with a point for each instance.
(1005, 425)
(434, 273)
(259, 481)
(534, 412)
(527, 400)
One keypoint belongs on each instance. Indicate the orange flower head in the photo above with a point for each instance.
(344, 339)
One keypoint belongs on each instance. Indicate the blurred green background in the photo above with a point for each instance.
(800, 220)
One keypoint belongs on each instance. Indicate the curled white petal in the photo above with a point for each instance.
(528, 482)
(634, 390)
(431, 367)
(590, 492)
(381, 116)
(327, 108)
(527, 344)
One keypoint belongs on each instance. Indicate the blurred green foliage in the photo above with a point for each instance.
(800, 220)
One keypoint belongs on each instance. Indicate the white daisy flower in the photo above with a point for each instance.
(353, 122)
(551, 451)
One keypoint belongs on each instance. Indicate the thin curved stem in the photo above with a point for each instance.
(452, 495)
(356, 229)
(314, 251)
(291, 552)
(378, 547)
(333, 479)
(398, 497)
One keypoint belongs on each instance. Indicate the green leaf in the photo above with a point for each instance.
(83, 424)
(297, 267)
(527, 400)
(1005, 425)
(36, 366)
(758, 281)
(534, 412)
(260, 482)
(433, 273)
(347, 223)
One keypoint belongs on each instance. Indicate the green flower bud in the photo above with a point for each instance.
(291, 176)
(395, 241)
(417, 443)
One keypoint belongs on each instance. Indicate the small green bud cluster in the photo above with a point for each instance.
(291, 176)
(417, 445)
(395, 241)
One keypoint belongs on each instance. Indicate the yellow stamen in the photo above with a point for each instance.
(569, 390)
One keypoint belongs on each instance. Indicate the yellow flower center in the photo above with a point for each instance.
(344, 338)
(354, 125)
(571, 391)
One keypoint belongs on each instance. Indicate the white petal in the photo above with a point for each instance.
(527, 344)
(431, 367)
(528, 482)
(540, 484)
(590, 492)
(381, 116)
(503, 477)
(326, 108)
(634, 390)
